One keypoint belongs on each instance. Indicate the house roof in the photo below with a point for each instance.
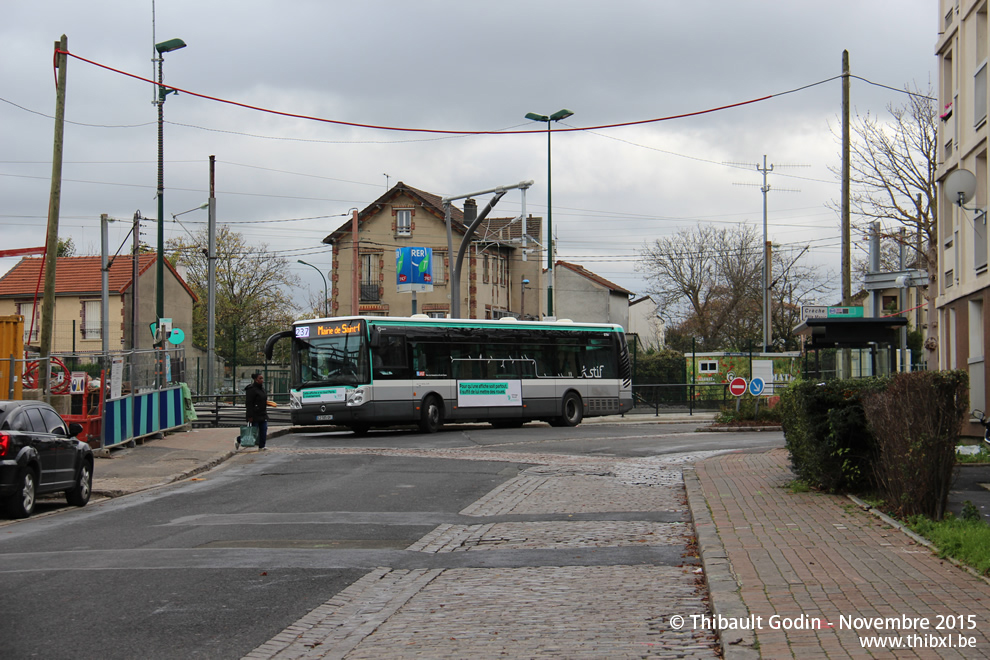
(490, 229)
(430, 202)
(601, 281)
(78, 275)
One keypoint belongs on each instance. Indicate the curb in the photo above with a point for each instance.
(737, 429)
(209, 465)
(920, 540)
(723, 589)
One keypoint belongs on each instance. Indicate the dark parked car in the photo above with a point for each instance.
(39, 453)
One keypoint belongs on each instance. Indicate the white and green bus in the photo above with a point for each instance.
(367, 371)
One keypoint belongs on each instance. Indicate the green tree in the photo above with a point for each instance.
(252, 293)
(66, 248)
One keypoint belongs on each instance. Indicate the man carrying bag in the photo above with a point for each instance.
(256, 403)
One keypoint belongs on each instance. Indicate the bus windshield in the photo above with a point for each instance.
(335, 360)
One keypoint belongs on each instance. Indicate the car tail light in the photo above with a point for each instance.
(4, 443)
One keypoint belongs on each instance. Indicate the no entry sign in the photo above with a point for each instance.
(738, 386)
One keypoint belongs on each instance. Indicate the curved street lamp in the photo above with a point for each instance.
(557, 116)
(326, 291)
(162, 48)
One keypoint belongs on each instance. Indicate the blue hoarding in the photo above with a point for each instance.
(413, 269)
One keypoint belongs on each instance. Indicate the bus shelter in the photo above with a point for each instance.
(850, 347)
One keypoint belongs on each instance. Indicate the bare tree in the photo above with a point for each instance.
(892, 175)
(793, 284)
(702, 279)
(707, 283)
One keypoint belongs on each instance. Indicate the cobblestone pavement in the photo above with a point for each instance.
(811, 557)
(584, 611)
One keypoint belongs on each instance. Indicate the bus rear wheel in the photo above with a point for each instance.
(431, 415)
(572, 411)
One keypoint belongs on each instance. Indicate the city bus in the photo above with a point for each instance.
(371, 371)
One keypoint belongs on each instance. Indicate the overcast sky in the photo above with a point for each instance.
(449, 65)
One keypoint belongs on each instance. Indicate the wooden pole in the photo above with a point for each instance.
(51, 243)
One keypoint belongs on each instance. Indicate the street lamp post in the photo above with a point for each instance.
(326, 291)
(557, 116)
(162, 48)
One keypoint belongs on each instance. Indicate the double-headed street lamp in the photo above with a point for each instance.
(557, 116)
(326, 291)
(162, 48)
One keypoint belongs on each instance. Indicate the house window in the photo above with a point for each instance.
(980, 79)
(484, 272)
(91, 321)
(403, 222)
(370, 277)
(980, 242)
(439, 267)
(24, 309)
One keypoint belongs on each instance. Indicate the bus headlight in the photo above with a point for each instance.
(356, 396)
(295, 400)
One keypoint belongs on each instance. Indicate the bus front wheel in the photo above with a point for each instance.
(431, 415)
(572, 411)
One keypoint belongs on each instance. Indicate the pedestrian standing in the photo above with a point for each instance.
(256, 401)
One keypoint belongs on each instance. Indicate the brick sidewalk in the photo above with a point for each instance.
(820, 557)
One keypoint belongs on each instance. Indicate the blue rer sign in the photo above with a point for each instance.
(413, 269)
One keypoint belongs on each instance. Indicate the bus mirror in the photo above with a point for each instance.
(374, 341)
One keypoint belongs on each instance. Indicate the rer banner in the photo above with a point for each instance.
(413, 269)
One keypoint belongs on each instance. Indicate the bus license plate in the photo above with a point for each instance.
(324, 418)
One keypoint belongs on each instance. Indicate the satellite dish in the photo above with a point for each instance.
(960, 186)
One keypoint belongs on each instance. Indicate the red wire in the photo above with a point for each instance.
(412, 130)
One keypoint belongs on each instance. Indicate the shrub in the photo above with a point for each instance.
(915, 422)
(826, 434)
(748, 412)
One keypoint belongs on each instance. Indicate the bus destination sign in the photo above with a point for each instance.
(336, 329)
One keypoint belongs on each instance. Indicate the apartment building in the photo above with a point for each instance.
(963, 48)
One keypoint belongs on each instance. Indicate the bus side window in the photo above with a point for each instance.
(390, 360)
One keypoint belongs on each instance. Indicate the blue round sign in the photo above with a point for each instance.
(756, 386)
(177, 336)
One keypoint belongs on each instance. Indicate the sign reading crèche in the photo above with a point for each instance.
(826, 312)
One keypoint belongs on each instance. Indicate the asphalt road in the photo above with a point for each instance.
(214, 567)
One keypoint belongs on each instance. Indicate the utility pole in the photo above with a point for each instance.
(104, 287)
(54, 201)
(766, 257)
(211, 285)
(355, 268)
(135, 273)
(846, 241)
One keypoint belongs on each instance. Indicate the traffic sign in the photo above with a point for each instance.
(756, 386)
(738, 386)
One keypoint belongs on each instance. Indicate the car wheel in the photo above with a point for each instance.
(572, 409)
(21, 503)
(431, 415)
(79, 495)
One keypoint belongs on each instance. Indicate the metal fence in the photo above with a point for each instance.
(227, 410)
(680, 397)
